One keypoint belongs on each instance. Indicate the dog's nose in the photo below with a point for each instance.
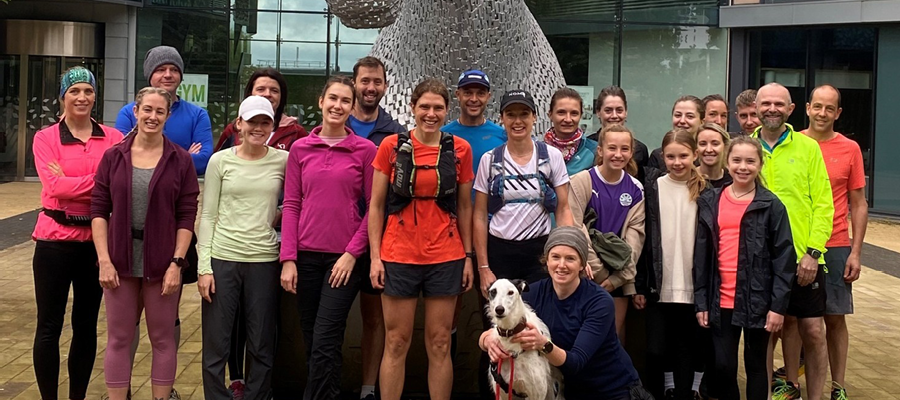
(499, 310)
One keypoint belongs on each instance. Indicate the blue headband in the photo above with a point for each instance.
(76, 75)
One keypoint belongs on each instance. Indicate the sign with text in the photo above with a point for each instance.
(194, 89)
(587, 110)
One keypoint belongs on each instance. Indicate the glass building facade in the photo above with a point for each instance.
(655, 50)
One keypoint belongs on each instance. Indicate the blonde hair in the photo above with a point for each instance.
(696, 182)
(744, 139)
(631, 168)
(722, 160)
(139, 98)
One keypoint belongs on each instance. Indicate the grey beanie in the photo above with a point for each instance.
(568, 236)
(161, 55)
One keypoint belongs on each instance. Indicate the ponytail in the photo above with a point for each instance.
(696, 183)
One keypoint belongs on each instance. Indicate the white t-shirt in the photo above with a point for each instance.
(677, 230)
(521, 221)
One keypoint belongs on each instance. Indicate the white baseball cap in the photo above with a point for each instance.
(255, 105)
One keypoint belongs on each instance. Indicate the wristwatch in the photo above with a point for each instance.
(180, 262)
(813, 253)
(548, 347)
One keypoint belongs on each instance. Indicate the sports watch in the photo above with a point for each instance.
(813, 253)
(548, 347)
(180, 262)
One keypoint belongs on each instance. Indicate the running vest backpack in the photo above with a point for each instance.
(498, 177)
(403, 186)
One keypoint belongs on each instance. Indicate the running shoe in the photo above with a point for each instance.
(670, 394)
(237, 390)
(838, 392)
(173, 395)
(781, 374)
(787, 391)
(697, 396)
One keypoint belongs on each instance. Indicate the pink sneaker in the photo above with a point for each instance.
(237, 390)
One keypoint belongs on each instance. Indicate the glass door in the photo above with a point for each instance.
(9, 116)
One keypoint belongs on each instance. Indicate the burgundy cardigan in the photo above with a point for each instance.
(172, 205)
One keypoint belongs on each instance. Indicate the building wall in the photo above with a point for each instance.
(119, 25)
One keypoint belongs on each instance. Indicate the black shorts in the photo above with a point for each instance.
(364, 265)
(517, 259)
(809, 301)
(432, 280)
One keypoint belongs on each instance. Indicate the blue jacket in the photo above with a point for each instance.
(385, 125)
(583, 158)
(188, 124)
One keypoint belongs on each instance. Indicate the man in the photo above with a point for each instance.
(745, 111)
(188, 125)
(369, 120)
(844, 162)
(795, 171)
(473, 91)
(715, 110)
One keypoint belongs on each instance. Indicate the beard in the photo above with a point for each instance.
(771, 123)
(366, 105)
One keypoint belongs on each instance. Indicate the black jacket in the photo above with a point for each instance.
(767, 262)
(649, 265)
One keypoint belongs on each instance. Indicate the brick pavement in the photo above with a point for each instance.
(872, 373)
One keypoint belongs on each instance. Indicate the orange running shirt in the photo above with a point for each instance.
(731, 210)
(844, 163)
(423, 233)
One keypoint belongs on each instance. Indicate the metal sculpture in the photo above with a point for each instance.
(365, 14)
(441, 38)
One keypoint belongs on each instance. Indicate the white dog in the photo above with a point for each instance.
(534, 378)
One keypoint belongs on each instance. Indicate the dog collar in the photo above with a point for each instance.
(509, 332)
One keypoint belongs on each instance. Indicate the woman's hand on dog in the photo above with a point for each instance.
(487, 278)
(494, 348)
(530, 338)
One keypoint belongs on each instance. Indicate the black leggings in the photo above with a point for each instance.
(57, 265)
(726, 338)
(677, 343)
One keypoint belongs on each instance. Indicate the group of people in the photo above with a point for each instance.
(711, 235)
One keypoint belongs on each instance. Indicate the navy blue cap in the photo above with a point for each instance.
(473, 76)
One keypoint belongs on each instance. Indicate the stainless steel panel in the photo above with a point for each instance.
(51, 38)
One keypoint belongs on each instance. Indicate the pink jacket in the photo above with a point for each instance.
(70, 193)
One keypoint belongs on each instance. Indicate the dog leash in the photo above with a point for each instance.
(512, 375)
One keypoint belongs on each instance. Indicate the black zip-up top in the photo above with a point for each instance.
(767, 263)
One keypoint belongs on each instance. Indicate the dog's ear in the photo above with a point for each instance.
(520, 284)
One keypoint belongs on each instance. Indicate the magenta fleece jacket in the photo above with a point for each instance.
(324, 188)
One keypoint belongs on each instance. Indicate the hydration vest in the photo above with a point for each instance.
(402, 190)
(498, 177)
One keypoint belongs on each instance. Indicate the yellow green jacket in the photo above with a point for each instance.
(795, 172)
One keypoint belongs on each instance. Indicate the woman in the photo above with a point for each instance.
(675, 341)
(520, 184)
(141, 258)
(579, 315)
(687, 114)
(268, 83)
(66, 155)
(565, 134)
(612, 108)
(744, 263)
(327, 173)
(715, 110)
(712, 141)
(616, 199)
(238, 251)
(424, 181)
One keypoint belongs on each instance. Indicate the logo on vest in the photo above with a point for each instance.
(625, 200)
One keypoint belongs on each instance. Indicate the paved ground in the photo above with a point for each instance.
(872, 373)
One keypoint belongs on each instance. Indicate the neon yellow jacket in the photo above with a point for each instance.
(795, 172)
